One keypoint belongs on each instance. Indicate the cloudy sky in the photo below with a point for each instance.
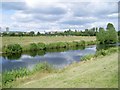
(54, 15)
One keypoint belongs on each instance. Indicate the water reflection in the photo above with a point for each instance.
(105, 46)
(39, 52)
(56, 57)
(59, 58)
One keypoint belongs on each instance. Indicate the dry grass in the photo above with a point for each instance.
(45, 39)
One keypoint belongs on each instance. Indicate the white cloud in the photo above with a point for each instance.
(113, 15)
(56, 15)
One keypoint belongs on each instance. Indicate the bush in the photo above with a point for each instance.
(71, 44)
(101, 52)
(12, 75)
(43, 67)
(51, 46)
(40, 46)
(91, 42)
(61, 45)
(12, 48)
(81, 43)
(33, 47)
(113, 49)
(87, 57)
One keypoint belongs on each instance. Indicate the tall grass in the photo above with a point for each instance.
(9, 76)
(101, 52)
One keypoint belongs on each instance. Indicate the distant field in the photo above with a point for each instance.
(45, 39)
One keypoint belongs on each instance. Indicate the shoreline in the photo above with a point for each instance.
(73, 69)
(99, 56)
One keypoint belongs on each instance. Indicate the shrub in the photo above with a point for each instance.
(33, 47)
(61, 45)
(12, 48)
(71, 44)
(113, 49)
(91, 42)
(87, 57)
(101, 52)
(40, 46)
(81, 43)
(43, 67)
(51, 46)
(10, 76)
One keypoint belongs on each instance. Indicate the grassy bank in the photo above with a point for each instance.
(26, 40)
(99, 70)
(99, 73)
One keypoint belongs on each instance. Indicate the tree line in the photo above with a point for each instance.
(86, 32)
(108, 35)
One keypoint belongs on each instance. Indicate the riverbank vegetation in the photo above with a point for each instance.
(98, 68)
(99, 53)
(16, 48)
(24, 41)
(10, 76)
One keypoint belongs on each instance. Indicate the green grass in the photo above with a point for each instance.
(100, 72)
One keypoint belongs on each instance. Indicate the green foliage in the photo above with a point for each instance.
(40, 46)
(71, 44)
(12, 48)
(69, 32)
(101, 36)
(101, 52)
(12, 75)
(9, 76)
(81, 43)
(111, 36)
(31, 33)
(43, 67)
(87, 57)
(33, 46)
(118, 38)
(61, 45)
(107, 37)
(91, 42)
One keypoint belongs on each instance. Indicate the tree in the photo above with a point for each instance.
(32, 33)
(107, 37)
(38, 33)
(111, 36)
(101, 35)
